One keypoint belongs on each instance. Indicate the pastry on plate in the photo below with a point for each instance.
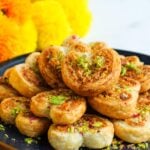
(132, 67)
(131, 59)
(25, 80)
(32, 61)
(10, 107)
(89, 72)
(31, 125)
(71, 41)
(61, 105)
(90, 131)
(137, 128)
(119, 102)
(50, 65)
(98, 45)
(7, 91)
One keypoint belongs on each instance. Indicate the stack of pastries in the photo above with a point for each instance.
(52, 91)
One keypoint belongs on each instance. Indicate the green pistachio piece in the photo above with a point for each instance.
(99, 61)
(97, 124)
(57, 100)
(15, 111)
(2, 128)
(123, 71)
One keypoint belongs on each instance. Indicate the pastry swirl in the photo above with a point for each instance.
(119, 102)
(90, 72)
(25, 80)
(61, 105)
(90, 131)
(137, 128)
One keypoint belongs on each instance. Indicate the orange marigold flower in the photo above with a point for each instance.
(19, 10)
(15, 39)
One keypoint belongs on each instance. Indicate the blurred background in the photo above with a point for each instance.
(123, 24)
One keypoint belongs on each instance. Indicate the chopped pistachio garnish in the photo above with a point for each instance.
(99, 61)
(97, 124)
(127, 88)
(120, 145)
(133, 66)
(130, 66)
(123, 71)
(142, 146)
(15, 111)
(144, 111)
(6, 136)
(83, 129)
(2, 128)
(71, 129)
(30, 141)
(84, 63)
(57, 100)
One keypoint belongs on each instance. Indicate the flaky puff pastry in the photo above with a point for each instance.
(131, 59)
(7, 91)
(137, 128)
(119, 102)
(70, 41)
(98, 45)
(32, 61)
(89, 72)
(50, 65)
(31, 125)
(90, 131)
(61, 105)
(132, 67)
(25, 80)
(10, 107)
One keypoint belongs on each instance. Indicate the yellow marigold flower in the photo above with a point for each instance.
(51, 22)
(28, 37)
(18, 10)
(78, 14)
(16, 39)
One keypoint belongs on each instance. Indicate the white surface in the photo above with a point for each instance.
(123, 24)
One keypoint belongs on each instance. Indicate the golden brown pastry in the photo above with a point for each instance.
(119, 102)
(90, 131)
(30, 125)
(132, 67)
(50, 65)
(7, 91)
(131, 59)
(61, 105)
(70, 41)
(68, 112)
(98, 45)
(90, 72)
(6, 75)
(144, 99)
(10, 107)
(142, 75)
(32, 61)
(25, 80)
(137, 128)
(40, 104)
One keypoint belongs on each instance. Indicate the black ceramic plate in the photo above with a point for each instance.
(13, 137)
